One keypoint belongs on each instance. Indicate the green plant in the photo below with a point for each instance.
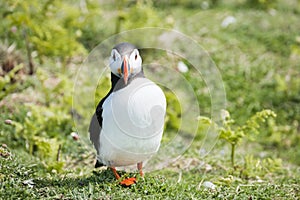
(173, 113)
(264, 4)
(56, 90)
(43, 128)
(204, 125)
(8, 83)
(10, 57)
(296, 47)
(102, 89)
(257, 168)
(234, 134)
(40, 128)
(46, 29)
(140, 14)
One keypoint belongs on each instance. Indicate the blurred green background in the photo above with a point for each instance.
(254, 43)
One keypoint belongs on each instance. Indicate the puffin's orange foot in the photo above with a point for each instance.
(128, 181)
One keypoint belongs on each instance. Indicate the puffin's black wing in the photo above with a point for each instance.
(94, 130)
(96, 121)
(95, 127)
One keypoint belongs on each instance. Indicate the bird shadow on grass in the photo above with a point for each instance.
(99, 177)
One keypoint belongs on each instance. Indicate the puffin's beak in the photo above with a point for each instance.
(125, 69)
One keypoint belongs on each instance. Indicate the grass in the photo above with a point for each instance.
(20, 179)
(256, 60)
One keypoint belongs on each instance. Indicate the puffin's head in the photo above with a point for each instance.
(125, 61)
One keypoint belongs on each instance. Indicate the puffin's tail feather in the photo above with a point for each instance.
(99, 164)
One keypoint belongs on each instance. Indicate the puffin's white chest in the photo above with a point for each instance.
(133, 121)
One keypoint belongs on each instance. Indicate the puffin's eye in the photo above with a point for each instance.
(135, 56)
(114, 57)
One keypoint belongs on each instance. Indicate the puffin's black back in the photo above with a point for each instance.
(99, 109)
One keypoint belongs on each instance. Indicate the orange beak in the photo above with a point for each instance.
(125, 69)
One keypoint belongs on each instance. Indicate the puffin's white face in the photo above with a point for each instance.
(125, 66)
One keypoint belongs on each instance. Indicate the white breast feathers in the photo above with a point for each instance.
(133, 122)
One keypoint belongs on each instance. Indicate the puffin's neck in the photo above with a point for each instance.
(117, 83)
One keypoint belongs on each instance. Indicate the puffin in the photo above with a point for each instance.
(127, 126)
